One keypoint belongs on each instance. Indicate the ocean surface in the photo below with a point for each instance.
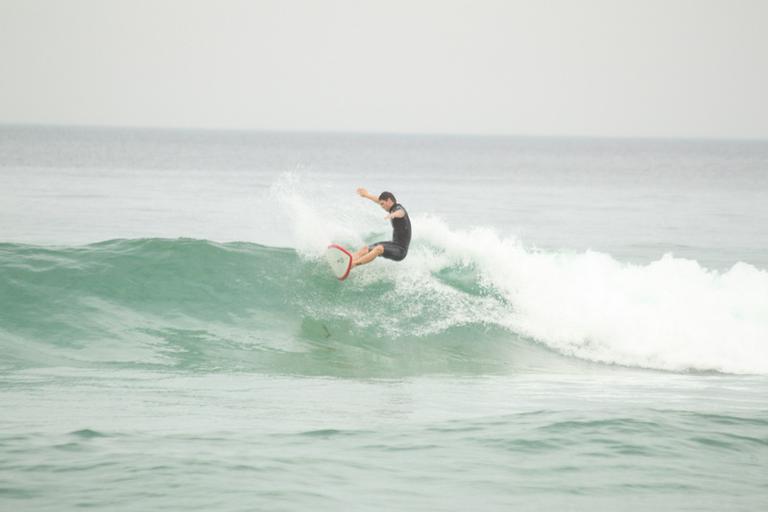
(580, 324)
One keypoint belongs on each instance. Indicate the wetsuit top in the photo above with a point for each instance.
(401, 228)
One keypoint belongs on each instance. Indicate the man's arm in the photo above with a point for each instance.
(364, 193)
(397, 214)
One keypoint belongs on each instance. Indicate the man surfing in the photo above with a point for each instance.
(397, 248)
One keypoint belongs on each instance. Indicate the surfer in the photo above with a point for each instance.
(397, 248)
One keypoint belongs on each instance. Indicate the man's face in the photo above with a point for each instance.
(387, 204)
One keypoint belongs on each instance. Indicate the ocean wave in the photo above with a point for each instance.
(463, 301)
(671, 314)
(201, 305)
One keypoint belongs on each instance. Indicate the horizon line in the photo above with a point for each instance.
(300, 131)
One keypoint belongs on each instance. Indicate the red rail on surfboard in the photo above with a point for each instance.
(340, 261)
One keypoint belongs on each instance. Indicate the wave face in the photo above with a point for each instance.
(462, 302)
(199, 305)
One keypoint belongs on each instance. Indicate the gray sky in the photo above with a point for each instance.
(600, 67)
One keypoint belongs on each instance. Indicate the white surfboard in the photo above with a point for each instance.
(340, 261)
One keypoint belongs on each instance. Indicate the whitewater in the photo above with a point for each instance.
(579, 323)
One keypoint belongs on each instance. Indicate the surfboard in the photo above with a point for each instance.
(340, 261)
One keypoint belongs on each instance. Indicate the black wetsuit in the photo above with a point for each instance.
(397, 249)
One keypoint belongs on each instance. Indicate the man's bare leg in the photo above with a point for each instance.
(359, 254)
(368, 256)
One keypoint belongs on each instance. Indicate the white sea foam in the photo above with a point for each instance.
(316, 214)
(671, 314)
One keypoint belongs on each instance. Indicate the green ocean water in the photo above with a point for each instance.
(186, 374)
(203, 358)
(193, 305)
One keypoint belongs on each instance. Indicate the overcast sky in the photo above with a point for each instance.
(690, 68)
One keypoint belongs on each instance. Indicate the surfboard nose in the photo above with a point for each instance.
(340, 261)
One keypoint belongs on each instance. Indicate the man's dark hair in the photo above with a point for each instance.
(387, 195)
